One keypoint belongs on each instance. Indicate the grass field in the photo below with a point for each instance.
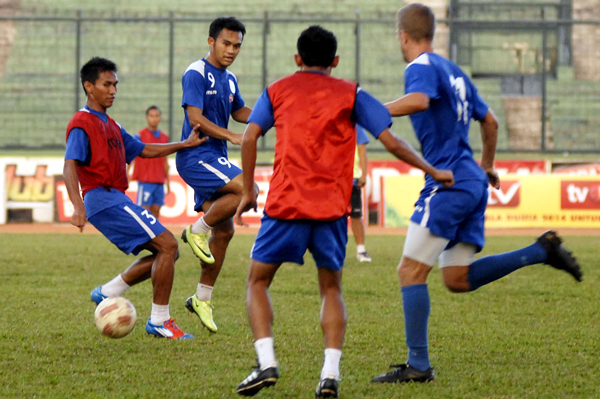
(533, 334)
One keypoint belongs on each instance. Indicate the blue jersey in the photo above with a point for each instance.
(215, 91)
(443, 129)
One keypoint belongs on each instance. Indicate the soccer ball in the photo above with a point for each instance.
(115, 317)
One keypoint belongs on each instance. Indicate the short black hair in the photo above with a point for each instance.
(230, 23)
(317, 47)
(417, 20)
(150, 108)
(92, 69)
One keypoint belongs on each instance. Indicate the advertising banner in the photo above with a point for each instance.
(521, 201)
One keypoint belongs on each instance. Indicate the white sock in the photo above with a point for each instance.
(204, 292)
(160, 314)
(115, 287)
(265, 353)
(331, 364)
(200, 226)
(360, 249)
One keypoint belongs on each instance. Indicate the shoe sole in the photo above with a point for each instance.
(327, 393)
(200, 254)
(190, 308)
(254, 389)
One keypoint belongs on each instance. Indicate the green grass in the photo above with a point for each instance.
(533, 334)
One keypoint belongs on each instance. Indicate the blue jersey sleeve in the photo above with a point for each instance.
(420, 78)
(238, 101)
(193, 89)
(262, 114)
(133, 147)
(78, 145)
(371, 114)
(361, 136)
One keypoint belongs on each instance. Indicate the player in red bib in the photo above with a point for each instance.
(315, 117)
(151, 173)
(98, 149)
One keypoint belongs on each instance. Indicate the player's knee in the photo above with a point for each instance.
(170, 247)
(177, 254)
(224, 235)
(457, 284)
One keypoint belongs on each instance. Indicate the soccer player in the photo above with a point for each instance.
(97, 151)
(360, 179)
(448, 222)
(315, 116)
(151, 173)
(210, 96)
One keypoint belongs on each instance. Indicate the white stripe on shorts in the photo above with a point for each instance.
(217, 172)
(140, 221)
(427, 209)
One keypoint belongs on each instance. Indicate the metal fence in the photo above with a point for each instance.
(40, 88)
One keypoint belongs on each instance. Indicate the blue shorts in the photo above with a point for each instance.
(280, 241)
(128, 226)
(150, 194)
(206, 177)
(456, 213)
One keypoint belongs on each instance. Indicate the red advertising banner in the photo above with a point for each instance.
(580, 194)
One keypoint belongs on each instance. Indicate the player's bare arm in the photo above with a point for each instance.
(207, 127)
(249, 142)
(362, 160)
(404, 151)
(72, 182)
(408, 104)
(162, 150)
(242, 114)
(489, 138)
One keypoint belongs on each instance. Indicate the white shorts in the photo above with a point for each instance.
(426, 248)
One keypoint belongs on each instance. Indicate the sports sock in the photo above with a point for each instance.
(160, 314)
(265, 353)
(115, 287)
(204, 292)
(200, 226)
(331, 364)
(490, 268)
(360, 249)
(415, 300)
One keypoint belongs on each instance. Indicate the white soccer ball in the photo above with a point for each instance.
(115, 317)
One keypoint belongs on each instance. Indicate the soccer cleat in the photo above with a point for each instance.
(327, 388)
(168, 330)
(97, 295)
(199, 244)
(203, 309)
(258, 380)
(363, 257)
(558, 256)
(405, 373)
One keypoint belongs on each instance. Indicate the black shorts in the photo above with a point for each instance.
(356, 202)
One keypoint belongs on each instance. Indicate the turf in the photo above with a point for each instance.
(531, 335)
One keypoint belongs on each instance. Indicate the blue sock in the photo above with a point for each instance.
(415, 299)
(485, 270)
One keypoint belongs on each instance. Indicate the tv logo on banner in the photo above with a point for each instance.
(508, 196)
(580, 194)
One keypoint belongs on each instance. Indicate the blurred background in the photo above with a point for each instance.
(534, 62)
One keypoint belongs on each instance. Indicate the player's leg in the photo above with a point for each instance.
(358, 226)
(201, 303)
(155, 210)
(157, 199)
(328, 247)
(277, 242)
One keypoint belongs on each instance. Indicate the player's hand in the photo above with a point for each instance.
(78, 219)
(444, 177)
(493, 178)
(236, 138)
(248, 202)
(194, 139)
(362, 181)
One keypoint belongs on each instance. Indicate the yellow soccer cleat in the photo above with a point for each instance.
(199, 244)
(203, 309)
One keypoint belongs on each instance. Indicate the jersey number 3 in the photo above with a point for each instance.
(462, 105)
